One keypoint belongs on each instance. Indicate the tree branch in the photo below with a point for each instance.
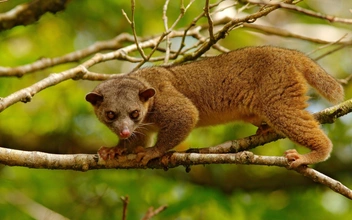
(287, 34)
(133, 26)
(28, 13)
(113, 44)
(85, 162)
(210, 21)
(310, 13)
(166, 26)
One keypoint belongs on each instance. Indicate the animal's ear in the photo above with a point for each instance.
(146, 94)
(94, 98)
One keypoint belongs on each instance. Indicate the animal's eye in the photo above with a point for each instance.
(110, 115)
(134, 114)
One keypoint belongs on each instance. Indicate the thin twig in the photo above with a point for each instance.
(311, 13)
(327, 45)
(190, 26)
(330, 52)
(163, 35)
(125, 201)
(183, 11)
(153, 212)
(224, 8)
(210, 21)
(133, 26)
(166, 26)
(287, 34)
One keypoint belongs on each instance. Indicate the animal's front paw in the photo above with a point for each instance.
(147, 154)
(109, 153)
(294, 158)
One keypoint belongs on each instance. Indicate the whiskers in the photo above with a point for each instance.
(140, 131)
(145, 126)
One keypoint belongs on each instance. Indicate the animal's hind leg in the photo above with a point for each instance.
(300, 126)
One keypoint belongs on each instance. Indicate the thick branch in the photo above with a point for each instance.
(30, 12)
(85, 162)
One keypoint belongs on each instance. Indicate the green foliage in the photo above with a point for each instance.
(96, 195)
(59, 120)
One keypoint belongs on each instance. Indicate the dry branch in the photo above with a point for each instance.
(85, 162)
(311, 13)
(153, 212)
(287, 34)
(44, 63)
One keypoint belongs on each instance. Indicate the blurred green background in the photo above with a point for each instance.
(59, 120)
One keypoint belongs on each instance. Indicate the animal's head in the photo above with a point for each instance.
(121, 104)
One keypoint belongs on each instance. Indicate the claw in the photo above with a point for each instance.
(294, 158)
(109, 153)
(147, 154)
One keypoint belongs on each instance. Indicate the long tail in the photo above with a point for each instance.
(319, 79)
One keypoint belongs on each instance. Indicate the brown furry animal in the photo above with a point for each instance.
(254, 84)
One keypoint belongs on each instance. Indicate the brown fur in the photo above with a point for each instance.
(254, 84)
